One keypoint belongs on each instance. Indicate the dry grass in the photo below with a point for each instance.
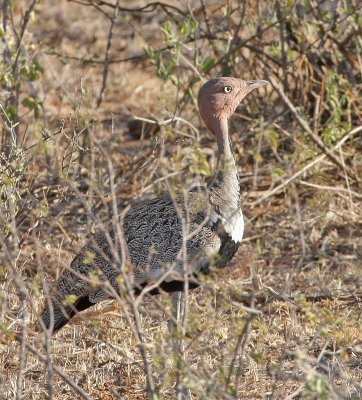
(285, 319)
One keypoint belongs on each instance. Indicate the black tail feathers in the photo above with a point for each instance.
(55, 315)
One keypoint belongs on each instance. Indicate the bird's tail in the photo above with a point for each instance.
(55, 315)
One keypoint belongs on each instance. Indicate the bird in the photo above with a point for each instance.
(156, 242)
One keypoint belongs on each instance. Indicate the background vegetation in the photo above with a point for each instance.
(97, 102)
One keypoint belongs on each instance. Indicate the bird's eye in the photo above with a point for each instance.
(227, 89)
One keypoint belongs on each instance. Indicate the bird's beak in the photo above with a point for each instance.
(251, 85)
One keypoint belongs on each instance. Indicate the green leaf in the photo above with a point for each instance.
(32, 104)
(278, 171)
(11, 112)
(174, 80)
(232, 390)
(257, 357)
(208, 64)
(149, 52)
(166, 29)
(89, 257)
(272, 137)
(69, 300)
(258, 157)
(31, 72)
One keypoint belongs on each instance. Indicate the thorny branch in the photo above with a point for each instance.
(22, 32)
(106, 58)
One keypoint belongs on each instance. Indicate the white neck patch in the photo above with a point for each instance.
(233, 225)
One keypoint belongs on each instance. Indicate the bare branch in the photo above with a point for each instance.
(106, 58)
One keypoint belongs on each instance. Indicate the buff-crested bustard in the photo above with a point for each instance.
(149, 242)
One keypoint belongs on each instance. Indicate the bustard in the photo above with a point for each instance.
(152, 232)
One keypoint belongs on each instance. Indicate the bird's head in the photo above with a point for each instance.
(219, 97)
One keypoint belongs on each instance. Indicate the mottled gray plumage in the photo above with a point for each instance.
(147, 241)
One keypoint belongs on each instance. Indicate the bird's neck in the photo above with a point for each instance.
(223, 141)
(225, 183)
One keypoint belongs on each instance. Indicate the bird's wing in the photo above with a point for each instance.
(148, 242)
(153, 236)
(159, 231)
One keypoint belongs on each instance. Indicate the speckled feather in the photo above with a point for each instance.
(153, 235)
